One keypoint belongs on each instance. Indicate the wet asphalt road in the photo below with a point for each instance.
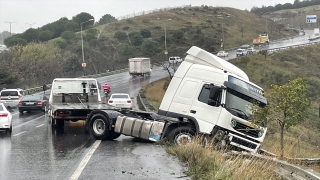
(36, 151)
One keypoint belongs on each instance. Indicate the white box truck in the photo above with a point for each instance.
(207, 96)
(139, 66)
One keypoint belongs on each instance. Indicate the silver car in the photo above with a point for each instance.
(11, 97)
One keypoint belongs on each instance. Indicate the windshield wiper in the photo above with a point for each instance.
(239, 111)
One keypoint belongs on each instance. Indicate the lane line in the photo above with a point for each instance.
(84, 161)
(20, 133)
(39, 125)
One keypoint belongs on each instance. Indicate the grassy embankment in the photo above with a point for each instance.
(300, 141)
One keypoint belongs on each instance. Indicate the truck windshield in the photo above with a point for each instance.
(240, 105)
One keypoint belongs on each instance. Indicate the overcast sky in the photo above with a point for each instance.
(23, 14)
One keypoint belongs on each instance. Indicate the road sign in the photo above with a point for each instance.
(311, 18)
(84, 64)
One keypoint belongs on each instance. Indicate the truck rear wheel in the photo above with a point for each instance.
(181, 135)
(99, 127)
(60, 123)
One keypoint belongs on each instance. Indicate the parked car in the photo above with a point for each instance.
(222, 54)
(175, 59)
(120, 100)
(241, 52)
(251, 50)
(33, 103)
(11, 97)
(5, 119)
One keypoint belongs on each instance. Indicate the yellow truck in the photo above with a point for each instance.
(261, 40)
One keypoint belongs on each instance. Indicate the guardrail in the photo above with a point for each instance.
(283, 168)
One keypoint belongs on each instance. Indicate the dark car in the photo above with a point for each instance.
(33, 103)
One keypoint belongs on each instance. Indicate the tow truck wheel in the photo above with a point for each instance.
(181, 135)
(98, 127)
(60, 123)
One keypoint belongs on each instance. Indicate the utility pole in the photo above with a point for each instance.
(30, 24)
(10, 26)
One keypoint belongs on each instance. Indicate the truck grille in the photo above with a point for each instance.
(247, 130)
(243, 143)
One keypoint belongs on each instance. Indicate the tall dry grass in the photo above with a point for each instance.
(206, 163)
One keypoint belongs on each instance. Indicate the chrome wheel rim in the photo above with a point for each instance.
(99, 126)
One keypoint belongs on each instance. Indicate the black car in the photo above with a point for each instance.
(33, 103)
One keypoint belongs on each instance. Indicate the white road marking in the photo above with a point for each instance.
(19, 133)
(84, 161)
(39, 125)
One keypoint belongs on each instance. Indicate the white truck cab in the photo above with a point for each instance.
(217, 97)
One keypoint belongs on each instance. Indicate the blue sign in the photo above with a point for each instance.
(311, 18)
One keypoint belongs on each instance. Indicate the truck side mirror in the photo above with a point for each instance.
(214, 96)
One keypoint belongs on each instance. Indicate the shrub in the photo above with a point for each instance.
(120, 35)
(145, 33)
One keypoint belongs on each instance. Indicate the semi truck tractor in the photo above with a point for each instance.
(207, 96)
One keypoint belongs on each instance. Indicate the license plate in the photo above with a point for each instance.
(120, 105)
(9, 101)
(29, 103)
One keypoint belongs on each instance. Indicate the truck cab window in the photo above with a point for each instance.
(204, 94)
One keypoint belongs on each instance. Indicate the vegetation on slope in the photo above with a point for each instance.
(108, 46)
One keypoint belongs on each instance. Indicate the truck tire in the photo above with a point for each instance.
(181, 135)
(60, 123)
(98, 127)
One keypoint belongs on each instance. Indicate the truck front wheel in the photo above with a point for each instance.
(181, 135)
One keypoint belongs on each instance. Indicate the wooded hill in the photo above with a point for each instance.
(108, 46)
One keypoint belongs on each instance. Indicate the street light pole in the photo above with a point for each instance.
(83, 63)
(10, 26)
(30, 24)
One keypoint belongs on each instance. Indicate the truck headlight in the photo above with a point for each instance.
(260, 133)
(233, 123)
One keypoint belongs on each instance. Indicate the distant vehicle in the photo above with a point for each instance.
(33, 103)
(175, 59)
(316, 31)
(120, 100)
(263, 39)
(139, 66)
(11, 97)
(241, 52)
(5, 119)
(222, 54)
(302, 33)
(251, 50)
(245, 46)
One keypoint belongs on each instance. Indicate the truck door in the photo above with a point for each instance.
(206, 115)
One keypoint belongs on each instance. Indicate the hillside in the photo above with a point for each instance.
(296, 17)
(108, 46)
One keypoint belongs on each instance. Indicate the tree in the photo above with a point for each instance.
(31, 35)
(45, 35)
(126, 51)
(14, 41)
(67, 35)
(71, 26)
(83, 17)
(120, 35)
(287, 105)
(150, 48)
(145, 33)
(107, 18)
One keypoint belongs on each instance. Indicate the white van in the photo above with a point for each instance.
(175, 59)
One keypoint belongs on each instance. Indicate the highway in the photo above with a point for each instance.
(36, 151)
